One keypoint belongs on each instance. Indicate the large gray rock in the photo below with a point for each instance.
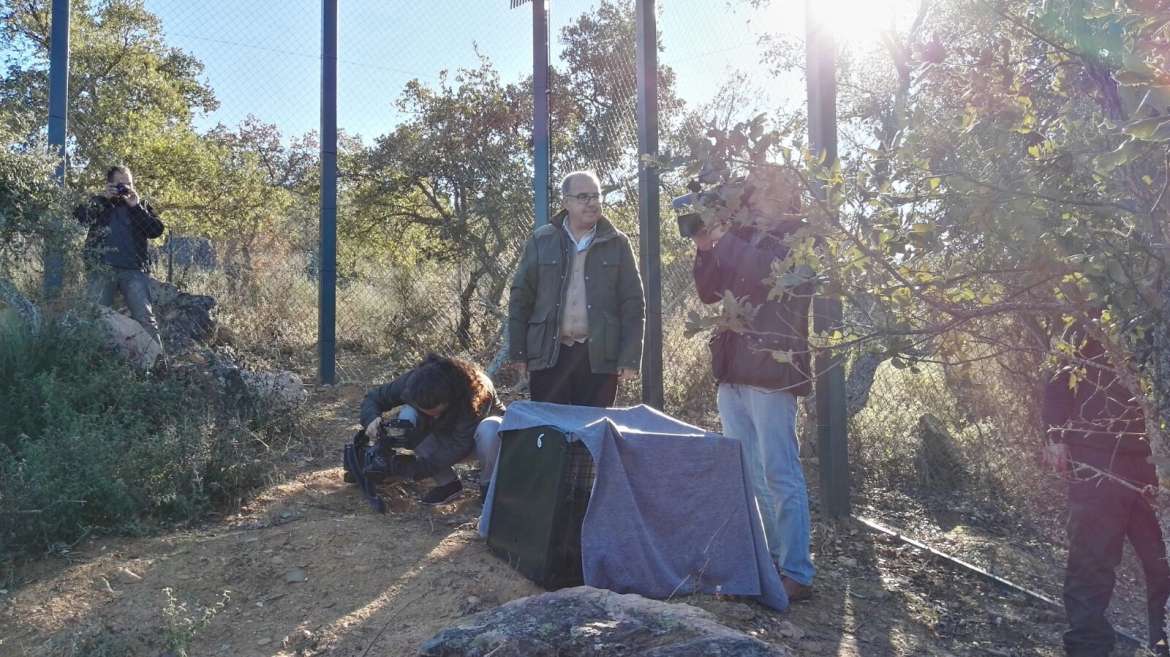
(585, 621)
(938, 459)
(128, 338)
(283, 389)
(183, 319)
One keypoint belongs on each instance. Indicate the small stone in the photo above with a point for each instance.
(263, 642)
(295, 575)
(298, 640)
(790, 631)
(848, 562)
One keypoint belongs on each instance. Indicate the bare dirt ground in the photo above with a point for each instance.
(305, 569)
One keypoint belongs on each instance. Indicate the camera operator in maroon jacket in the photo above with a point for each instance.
(1096, 437)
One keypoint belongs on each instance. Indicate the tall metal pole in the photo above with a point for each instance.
(327, 292)
(58, 127)
(541, 138)
(821, 67)
(648, 210)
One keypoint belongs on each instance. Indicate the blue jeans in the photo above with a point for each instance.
(135, 288)
(764, 421)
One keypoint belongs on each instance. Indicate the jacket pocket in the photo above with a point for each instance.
(613, 336)
(609, 271)
(536, 341)
(550, 273)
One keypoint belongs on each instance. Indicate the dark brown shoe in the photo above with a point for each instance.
(796, 591)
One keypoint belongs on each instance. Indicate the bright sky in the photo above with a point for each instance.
(262, 57)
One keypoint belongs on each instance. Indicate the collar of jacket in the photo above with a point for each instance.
(605, 229)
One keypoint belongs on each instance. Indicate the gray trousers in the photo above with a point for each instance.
(135, 288)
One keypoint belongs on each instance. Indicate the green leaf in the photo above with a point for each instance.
(1132, 78)
(1107, 162)
(1152, 129)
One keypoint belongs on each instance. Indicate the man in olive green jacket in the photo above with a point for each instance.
(576, 314)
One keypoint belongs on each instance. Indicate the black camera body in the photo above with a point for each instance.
(688, 210)
(689, 207)
(399, 423)
(396, 434)
(122, 190)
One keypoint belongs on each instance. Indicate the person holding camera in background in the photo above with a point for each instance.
(764, 364)
(448, 408)
(576, 314)
(120, 222)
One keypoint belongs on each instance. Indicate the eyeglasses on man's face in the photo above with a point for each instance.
(585, 197)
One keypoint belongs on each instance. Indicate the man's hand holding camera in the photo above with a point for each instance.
(374, 428)
(706, 239)
(123, 192)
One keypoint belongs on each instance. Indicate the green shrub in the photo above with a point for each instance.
(87, 443)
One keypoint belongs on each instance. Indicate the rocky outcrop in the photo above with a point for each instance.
(184, 319)
(938, 460)
(589, 622)
(128, 338)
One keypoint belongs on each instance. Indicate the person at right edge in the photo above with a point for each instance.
(757, 392)
(1096, 439)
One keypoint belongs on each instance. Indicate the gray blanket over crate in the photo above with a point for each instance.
(671, 511)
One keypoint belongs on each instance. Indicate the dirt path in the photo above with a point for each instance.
(309, 570)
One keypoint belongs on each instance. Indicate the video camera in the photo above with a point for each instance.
(395, 434)
(689, 207)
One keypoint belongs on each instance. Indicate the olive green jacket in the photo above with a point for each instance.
(615, 305)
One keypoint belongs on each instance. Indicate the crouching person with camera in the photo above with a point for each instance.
(120, 224)
(449, 409)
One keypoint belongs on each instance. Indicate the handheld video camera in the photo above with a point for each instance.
(686, 207)
(395, 434)
(122, 190)
(689, 207)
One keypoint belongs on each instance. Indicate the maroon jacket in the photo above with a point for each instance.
(1099, 412)
(742, 263)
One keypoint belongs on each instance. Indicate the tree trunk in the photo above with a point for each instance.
(860, 381)
(463, 329)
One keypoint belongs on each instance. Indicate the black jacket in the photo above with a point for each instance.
(96, 214)
(1097, 413)
(741, 263)
(454, 429)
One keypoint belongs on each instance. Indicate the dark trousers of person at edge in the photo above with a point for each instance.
(572, 381)
(1102, 513)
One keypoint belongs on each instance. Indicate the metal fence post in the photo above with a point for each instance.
(832, 434)
(648, 208)
(541, 140)
(327, 282)
(58, 128)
